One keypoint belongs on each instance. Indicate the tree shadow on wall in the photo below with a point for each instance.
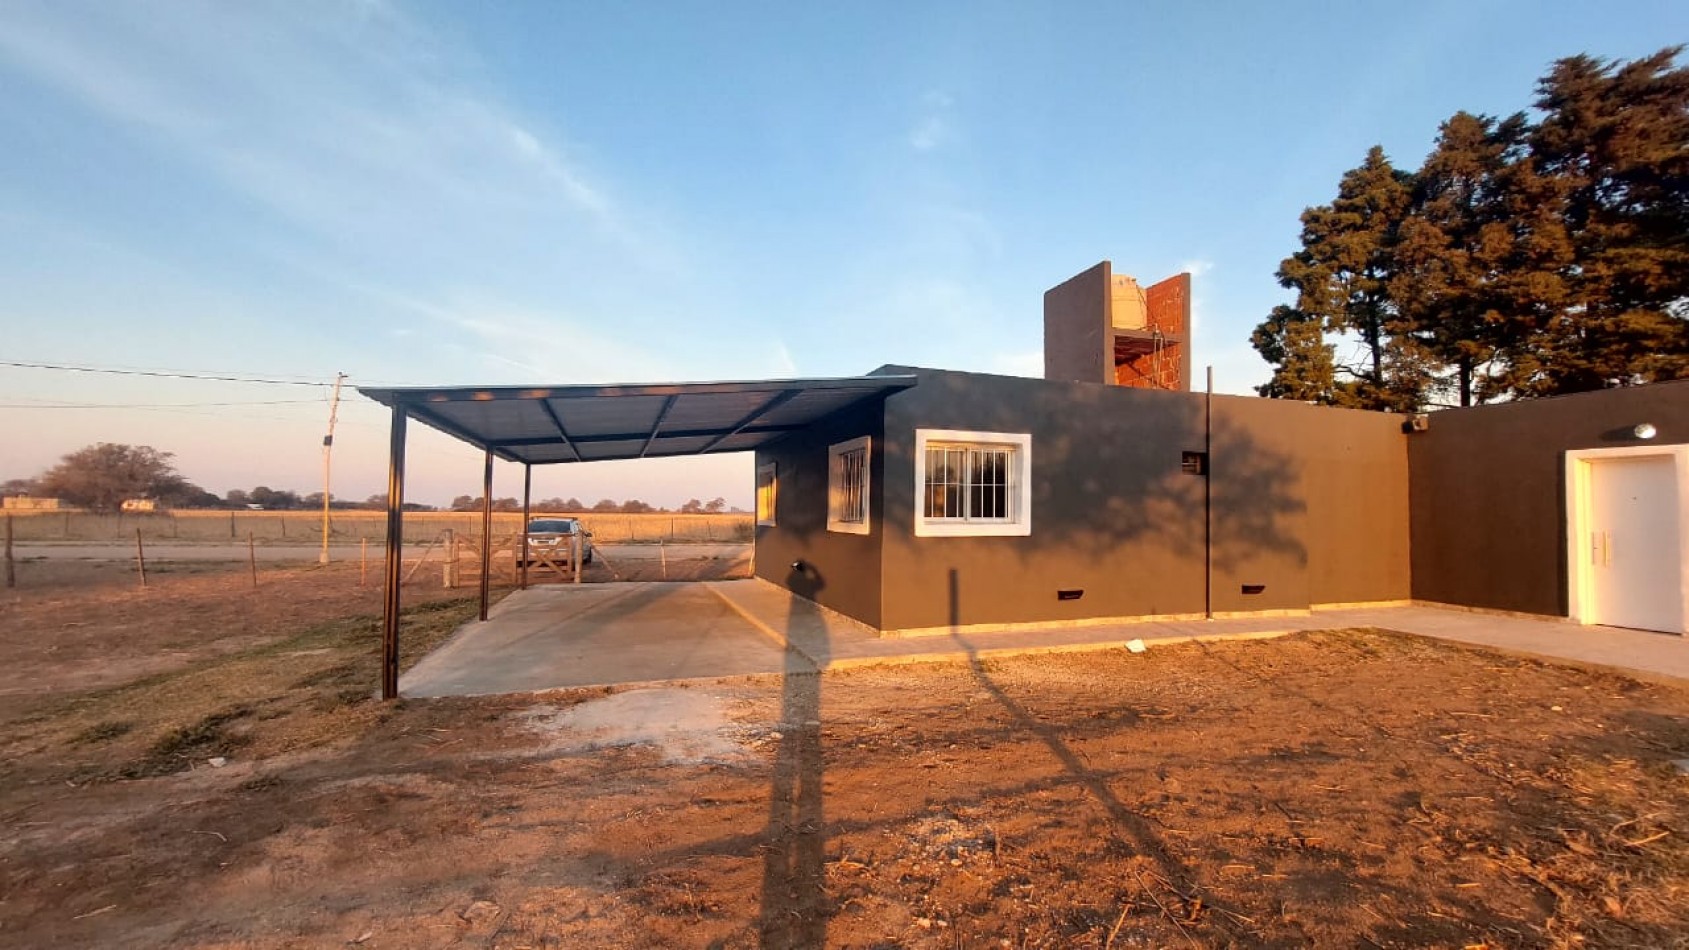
(1108, 466)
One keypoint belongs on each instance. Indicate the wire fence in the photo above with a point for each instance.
(305, 527)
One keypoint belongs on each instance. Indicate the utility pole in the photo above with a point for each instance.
(328, 452)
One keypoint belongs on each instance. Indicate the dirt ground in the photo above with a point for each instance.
(1341, 789)
(77, 625)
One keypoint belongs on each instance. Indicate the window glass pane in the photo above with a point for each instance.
(850, 501)
(946, 466)
(765, 496)
(989, 485)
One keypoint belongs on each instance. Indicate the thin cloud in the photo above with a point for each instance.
(934, 128)
(929, 133)
(337, 118)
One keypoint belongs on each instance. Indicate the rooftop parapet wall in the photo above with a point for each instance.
(1076, 328)
(1103, 327)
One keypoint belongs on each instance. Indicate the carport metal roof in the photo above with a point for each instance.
(538, 425)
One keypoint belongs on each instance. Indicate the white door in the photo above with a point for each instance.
(1632, 543)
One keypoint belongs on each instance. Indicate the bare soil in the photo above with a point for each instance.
(1341, 789)
(76, 625)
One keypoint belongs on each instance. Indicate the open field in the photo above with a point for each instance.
(305, 527)
(1342, 789)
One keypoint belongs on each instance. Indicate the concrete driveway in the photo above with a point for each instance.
(609, 634)
(601, 634)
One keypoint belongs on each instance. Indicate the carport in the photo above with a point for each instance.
(548, 425)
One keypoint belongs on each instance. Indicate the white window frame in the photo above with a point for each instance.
(773, 473)
(1019, 522)
(835, 486)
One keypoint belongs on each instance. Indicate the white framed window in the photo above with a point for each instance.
(847, 486)
(972, 484)
(768, 494)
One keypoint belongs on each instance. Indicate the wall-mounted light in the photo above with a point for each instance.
(1645, 431)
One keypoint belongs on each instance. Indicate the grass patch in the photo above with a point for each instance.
(103, 731)
(206, 736)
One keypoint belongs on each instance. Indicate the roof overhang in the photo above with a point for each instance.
(541, 425)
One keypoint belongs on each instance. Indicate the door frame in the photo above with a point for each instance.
(1579, 602)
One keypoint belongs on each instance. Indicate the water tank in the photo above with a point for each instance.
(1128, 309)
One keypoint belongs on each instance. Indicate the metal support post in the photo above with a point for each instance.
(395, 556)
(486, 532)
(1208, 498)
(527, 498)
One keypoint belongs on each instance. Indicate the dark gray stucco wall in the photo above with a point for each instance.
(842, 570)
(1076, 327)
(1488, 491)
(1328, 487)
(1114, 515)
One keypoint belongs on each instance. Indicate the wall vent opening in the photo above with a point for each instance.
(1194, 463)
(1073, 594)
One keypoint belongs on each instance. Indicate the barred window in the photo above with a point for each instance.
(847, 487)
(973, 483)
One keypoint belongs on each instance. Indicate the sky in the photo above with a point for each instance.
(430, 192)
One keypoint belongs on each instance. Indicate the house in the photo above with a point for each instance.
(139, 504)
(929, 501)
(1108, 490)
(976, 501)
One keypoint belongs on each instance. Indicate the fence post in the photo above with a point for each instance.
(140, 558)
(448, 573)
(231, 526)
(252, 557)
(363, 559)
(663, 557)
(11, 577)
(577, 540)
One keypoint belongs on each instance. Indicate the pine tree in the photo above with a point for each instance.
(1615, 139)
(1520, 260)
(1457, 252)
(1341, 278)
(1305, 364)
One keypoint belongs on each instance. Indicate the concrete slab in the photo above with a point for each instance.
(1636, 652)
(599, 634)
(552, 637)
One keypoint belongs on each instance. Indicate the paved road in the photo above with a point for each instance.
(338, 552)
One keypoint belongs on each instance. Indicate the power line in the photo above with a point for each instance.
(210, 377)
(162, 405)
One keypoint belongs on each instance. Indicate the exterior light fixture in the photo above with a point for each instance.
(1645, 430)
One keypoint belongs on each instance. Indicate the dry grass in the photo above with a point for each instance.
(305, 527)
(311, 689)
